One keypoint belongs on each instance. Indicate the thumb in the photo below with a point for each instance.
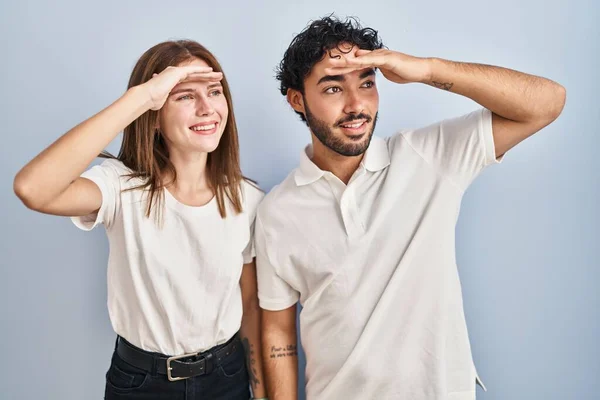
(362, 52)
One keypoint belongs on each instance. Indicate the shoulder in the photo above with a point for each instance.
(115, 165)
(112, 167)
(280, 199)
(447, 126)
(252, 195)
(113, 172)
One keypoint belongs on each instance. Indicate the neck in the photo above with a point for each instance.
(191, 173)
(328, 160)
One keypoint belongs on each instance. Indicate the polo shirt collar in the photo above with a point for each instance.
(376, 158)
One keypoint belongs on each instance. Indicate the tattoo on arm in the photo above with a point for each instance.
(444, 86)
(250, 361)
(284, 351)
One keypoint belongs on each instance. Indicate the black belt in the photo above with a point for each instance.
(177, 367)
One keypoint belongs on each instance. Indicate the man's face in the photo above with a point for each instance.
(341, 110)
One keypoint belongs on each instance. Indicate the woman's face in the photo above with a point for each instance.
(194, 116)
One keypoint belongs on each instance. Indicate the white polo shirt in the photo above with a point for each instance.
(175, 289)
(373, 264)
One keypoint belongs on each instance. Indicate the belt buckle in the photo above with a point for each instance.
(169, 375)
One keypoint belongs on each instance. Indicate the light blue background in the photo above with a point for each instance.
(528, 232)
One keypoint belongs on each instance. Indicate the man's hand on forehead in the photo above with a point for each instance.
(395, 66)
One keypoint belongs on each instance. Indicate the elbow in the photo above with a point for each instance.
(25, 191)
(251, 306)
(557, 104)
(549, 109)
(560, 100)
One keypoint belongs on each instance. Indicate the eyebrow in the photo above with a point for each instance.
(190, 90)
(369, 72)
(331, 78)
(341, 78)
(183, 90)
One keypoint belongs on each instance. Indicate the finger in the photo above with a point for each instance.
(346, 61)
(184, 71)
(355, 62)
(204, 76)
(362, 52)
(193, 69)
(372, 59)
(341, 70)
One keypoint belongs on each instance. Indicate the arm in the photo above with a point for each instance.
(250, 330)
(280, 353)
(521, 104)
(50, 183)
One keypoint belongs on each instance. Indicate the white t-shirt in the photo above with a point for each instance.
(172, 289)
(373, 264)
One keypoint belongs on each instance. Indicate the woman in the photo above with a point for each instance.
(178, 215)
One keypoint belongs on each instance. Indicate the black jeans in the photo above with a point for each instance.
(227, 381)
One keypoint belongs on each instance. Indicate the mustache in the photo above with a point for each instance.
(355, 117)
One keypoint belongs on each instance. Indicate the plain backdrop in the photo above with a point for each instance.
(527, 244)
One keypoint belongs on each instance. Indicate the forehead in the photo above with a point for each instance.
(194, 62)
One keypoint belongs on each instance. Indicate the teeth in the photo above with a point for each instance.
(204, 127)
(353, 125)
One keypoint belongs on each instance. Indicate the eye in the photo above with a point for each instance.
(368, 84)
(215, 92)
(333, 89)
(185, 97)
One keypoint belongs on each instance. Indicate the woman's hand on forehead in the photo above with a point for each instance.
(161, 85)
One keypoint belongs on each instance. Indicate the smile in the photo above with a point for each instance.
(204, 129)
(354, 125)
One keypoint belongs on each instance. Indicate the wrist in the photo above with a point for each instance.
(429, 69)
(259, 396)
(142, 96)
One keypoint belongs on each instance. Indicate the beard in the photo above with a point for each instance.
(344, 146)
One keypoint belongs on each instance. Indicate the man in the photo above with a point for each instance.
(362, 232)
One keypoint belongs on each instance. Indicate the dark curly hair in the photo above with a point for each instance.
(310, 45)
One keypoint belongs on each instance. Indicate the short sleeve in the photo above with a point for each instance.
(274, 293)
(107, 176)
(252, 198)
(460, 148)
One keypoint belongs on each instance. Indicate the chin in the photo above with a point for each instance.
(211, 149)
(206, 144)
(206, 148)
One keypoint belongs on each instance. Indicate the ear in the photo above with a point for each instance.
(296, 100)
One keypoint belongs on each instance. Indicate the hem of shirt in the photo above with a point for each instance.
(465, 395)
(78, 221)
(486, 131)
(276, 305)
(249, 255)
(479, 382)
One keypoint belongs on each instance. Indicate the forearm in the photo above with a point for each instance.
(52, 171)
(511, 94)
(250, 335)
(281, 364)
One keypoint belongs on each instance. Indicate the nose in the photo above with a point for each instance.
(204, 106)
(354, 103)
